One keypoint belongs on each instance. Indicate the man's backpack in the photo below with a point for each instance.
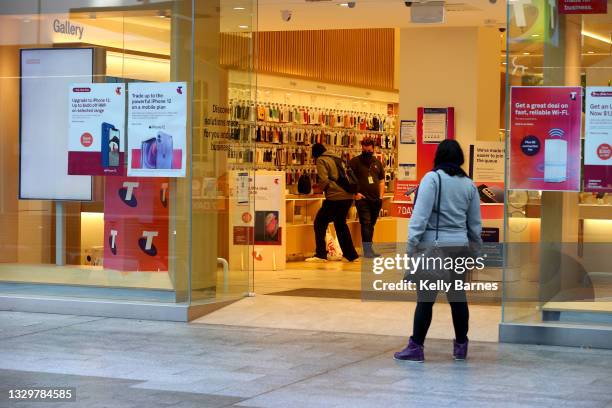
(347, 180)
(304, 185)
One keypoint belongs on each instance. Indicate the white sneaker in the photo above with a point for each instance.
(334, 258)
(315, 259)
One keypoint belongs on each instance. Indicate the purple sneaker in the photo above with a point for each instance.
(412, 352)
(460, 350)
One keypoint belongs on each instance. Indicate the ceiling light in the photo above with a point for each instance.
(535, 35)
(596, 36)
(504, 63)
(239, 8)
(591, 52)
(243, 26)
(343, 4)
(525, 53)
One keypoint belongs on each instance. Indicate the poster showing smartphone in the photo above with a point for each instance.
(157, 129)
(96, 141)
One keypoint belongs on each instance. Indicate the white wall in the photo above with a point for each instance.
(443, 67)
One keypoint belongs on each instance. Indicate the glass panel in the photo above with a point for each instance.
(223, 150)
(562, 261)
(104, 247)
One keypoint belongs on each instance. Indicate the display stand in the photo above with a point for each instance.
(257, 235)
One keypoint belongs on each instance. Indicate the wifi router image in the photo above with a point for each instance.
(555, 157)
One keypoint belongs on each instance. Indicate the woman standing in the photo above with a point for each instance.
(446, 215)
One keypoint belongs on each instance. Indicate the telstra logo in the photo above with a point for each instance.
(127, 193)
(163, 194)
(146, 242)
(112, 241)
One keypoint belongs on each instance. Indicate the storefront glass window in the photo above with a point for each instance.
(95, 177)
(559, 203)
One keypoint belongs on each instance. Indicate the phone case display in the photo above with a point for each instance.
(304, 115)
(157, 124)
(97, 127)
(282, 136)
(136, 224)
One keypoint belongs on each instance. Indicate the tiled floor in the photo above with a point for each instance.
(349, 316)
(340, 315)
(128, 363)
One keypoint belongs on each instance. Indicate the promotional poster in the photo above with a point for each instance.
(96, 137)
(545, 149)
(257, 224)
(598, 140)
(157, 125)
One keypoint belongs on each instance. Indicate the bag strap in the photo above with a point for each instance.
(339, 168)
(438, 200)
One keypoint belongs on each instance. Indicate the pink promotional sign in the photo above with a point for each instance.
(583, 6)
(545, 125)
(598, 140)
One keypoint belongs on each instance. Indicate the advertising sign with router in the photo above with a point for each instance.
(545, 147)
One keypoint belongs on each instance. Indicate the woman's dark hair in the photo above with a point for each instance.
(449, 157)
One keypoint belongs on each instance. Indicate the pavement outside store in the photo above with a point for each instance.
(129, 363)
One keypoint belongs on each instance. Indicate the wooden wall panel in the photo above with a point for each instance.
(360, 57)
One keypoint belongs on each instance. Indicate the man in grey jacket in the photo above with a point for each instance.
(335, 207)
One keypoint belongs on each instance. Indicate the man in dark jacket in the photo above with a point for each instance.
(371, 175)
(335, 207)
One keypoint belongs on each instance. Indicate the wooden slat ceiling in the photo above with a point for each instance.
(359, 57)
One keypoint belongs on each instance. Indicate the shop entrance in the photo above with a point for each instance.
(343, 72)
(340, 73)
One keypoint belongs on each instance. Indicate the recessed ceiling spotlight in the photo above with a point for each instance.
(239, 8)
(591, 52)
(504, 63)
(526, 53)
(535, 35)
(243, 26)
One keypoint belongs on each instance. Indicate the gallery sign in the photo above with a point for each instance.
(545, 125)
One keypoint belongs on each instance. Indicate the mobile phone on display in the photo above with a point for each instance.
(164, 150)
(490, 194)
(148, 154)
(110, 140)
(113, 148)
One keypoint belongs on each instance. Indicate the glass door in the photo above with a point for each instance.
(224, 113)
